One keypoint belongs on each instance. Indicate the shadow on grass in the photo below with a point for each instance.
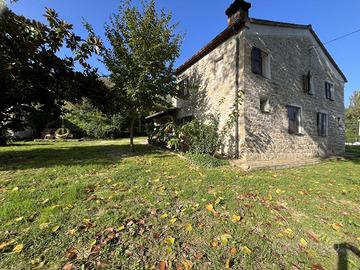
(343, 250)
(70, 155)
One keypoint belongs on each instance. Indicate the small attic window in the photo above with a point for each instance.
(308, 83)
(261, 63)
(265, 106)
(219, 68)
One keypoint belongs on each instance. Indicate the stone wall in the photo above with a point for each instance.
(293, 53)
(212, 90)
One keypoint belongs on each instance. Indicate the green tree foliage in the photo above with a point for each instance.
(32, 77)
(141, 59)
(353, 117)
(84, 119)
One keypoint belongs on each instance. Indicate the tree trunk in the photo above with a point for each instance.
(2, 137)
(132, 121)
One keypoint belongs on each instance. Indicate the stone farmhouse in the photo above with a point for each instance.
(272, 84)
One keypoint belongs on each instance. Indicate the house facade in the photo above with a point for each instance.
(273, 86)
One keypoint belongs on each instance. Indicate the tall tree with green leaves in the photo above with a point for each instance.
(141, 58)
(32, 75)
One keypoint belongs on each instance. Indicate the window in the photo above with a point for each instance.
(295, 120)
(322, 123)
(265, 105)
(329, 91)
(184, 87)
(219, 68)
(309, 84)
(260, 63)
(256, 61)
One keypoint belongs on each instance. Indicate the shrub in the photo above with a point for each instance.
(205, 160)
(83, 119)
(198, 137)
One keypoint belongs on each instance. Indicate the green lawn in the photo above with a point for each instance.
(93, 205)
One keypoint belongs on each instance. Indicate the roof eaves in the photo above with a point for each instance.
(219, 39)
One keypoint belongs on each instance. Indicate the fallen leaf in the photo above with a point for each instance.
(68, 266)
(303, 242)
(289, 233)
(71, 253)
(224, 239)
(173, 220)
(55, 228)
(45, 201)
(210, 207)
(233, 251)
(170, 240)
(246, 250)
(15, 189)
(162, 266)
(121, 228)
(44, 225)
(317, 267)
(235, 218)
(19, 219)
(163, 216)
(188, 228)
(6, 244)
(71, 232)
(187, 264)
(18, 248)
(336, 226)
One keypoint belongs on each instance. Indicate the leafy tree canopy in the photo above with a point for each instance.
(32, 75)
(141, 58)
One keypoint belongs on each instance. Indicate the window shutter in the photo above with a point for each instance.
(306, 83)
(319, 124)
(256, 61)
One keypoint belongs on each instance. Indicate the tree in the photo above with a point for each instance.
(32, 76)
(141, 59)
(352, 115)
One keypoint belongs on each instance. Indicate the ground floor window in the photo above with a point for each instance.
(294, 115)
(322, 123)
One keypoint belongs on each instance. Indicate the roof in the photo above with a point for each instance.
(233, 29)
(162, 113)
(219, 39)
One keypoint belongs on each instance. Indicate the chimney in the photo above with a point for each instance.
(238, 11)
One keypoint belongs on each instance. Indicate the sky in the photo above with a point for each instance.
(202, 20)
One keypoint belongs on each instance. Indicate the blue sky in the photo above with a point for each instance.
(202, 20)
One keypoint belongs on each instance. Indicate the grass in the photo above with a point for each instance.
(93, 205)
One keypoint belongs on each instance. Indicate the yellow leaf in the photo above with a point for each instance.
(269, 197)
(188, 227)
(289, 233)
(227, 264)
(121, 228)
(164, 216)
(86, 221)
(170, 240)
(210, 207)
(225, 238)
(278, 191)
(168, 250)
(173, 220)
(5, 244)
(336, 227)
(18, 248)
(358, 238)
(71, 232)
(45, 201)
(44, 225)
(19, 219)
(303, 242)
(246, 250)
(15, 189)
(187, 264)
(55, 228)
(93, 243)
(236, 218)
